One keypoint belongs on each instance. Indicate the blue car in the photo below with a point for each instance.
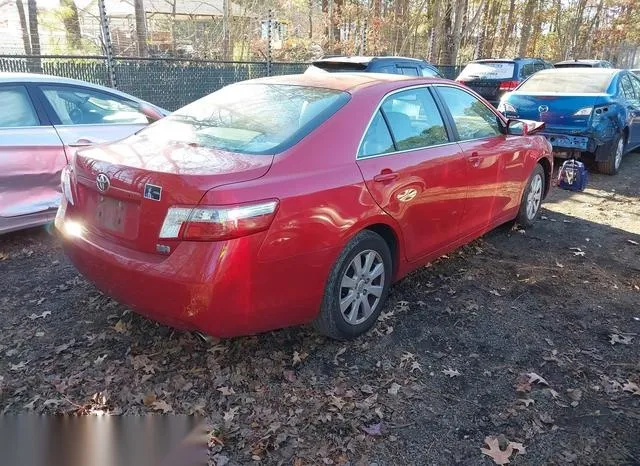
(587, 112)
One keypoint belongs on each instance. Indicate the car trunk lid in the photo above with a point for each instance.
(556, 110)
(124, 189)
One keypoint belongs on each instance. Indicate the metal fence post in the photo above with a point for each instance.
(269, 25)
(108, 46)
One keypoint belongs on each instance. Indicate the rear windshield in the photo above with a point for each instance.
(339, 67)
(569, 81)
(488, 70)
(250, 118)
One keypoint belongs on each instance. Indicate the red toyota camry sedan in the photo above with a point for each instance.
(296, 199)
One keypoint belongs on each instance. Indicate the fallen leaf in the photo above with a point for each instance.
(149, 399)
(163, 406)
(495, 293)
(393, 390)
(66, 346)
(546, 418)
(340, 352)
(574, 394)
(624, 339)
(553, 393)
(631, 387)
(518, 447)
(368, 389)
(231, 414)
(40, 316)
(535, 378)
(226, 391)
(495, 453)
(451, 372)
(526, 401)
(18, 367)
(299, 357)
(375, 429)
(558, 264)
(415, 366)
(635, 243)
(289, 375)
(99, 360)
(121, 326)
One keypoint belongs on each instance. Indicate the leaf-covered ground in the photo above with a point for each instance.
(524, 345)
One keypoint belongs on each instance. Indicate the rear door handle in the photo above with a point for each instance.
(475, 159)
(82, 143)
(385, 176)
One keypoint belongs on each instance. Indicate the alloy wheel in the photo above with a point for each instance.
(619, 153)
(361, 287)
(534, 197)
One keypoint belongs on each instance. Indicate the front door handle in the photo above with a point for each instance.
(82, 142)
(475, 159)
(385, 175)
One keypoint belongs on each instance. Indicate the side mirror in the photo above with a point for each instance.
(150, 112)
(524, 127)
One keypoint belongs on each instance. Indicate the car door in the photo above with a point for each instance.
(631, 88)
(31, 156)
(84, 116)
(415, 171)
(495, 162)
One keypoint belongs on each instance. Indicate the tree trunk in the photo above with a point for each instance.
(34, 34)
(226, 29)
(26, 42)
(508, 30)
(447, 56)
(526, 27)
(71, 22)
(310, 19)
(141, 28)
(537, 26)
(480, 43)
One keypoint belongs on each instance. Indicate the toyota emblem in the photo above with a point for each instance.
(102, 182)
(543, 109)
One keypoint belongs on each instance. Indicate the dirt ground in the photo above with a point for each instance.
(530, 336)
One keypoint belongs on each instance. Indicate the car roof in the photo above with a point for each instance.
(506, 60)
(590, 62)
(341, 81)
(361, 59)
(9, 77)
(592, 71)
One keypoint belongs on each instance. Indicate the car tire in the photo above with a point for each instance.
(344, 314)
(532, 197)
(611, 165)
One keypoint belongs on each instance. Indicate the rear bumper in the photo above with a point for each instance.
(218, 288)
(566, 143)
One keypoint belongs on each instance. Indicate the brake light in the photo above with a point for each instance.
(509, 85)
(209, 223)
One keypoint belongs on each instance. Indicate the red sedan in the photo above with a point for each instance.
(296, 199)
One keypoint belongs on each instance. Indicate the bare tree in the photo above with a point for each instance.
(141, 28)
(26, 41)
(34, 34)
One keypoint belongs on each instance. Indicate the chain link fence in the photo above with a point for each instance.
(167, 82)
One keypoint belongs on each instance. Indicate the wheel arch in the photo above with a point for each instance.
(393, 239)
(547, 167)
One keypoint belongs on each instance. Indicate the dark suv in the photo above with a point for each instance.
(392, 65)
(492, 77)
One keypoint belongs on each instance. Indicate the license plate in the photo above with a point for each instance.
(110, 213)
(570, 142)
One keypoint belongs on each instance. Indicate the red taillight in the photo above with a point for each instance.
(509, 85)
(209, 223)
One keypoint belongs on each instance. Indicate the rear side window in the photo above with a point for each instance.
(635, 82)
(408, 70)
(414, 119)
(473, 119)
(428, 72)
(527, 70)
(627, 87)
(17, 109)
(377, 139)
(81, 106)
(488, 70)
(250, 118)
(390, 69)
